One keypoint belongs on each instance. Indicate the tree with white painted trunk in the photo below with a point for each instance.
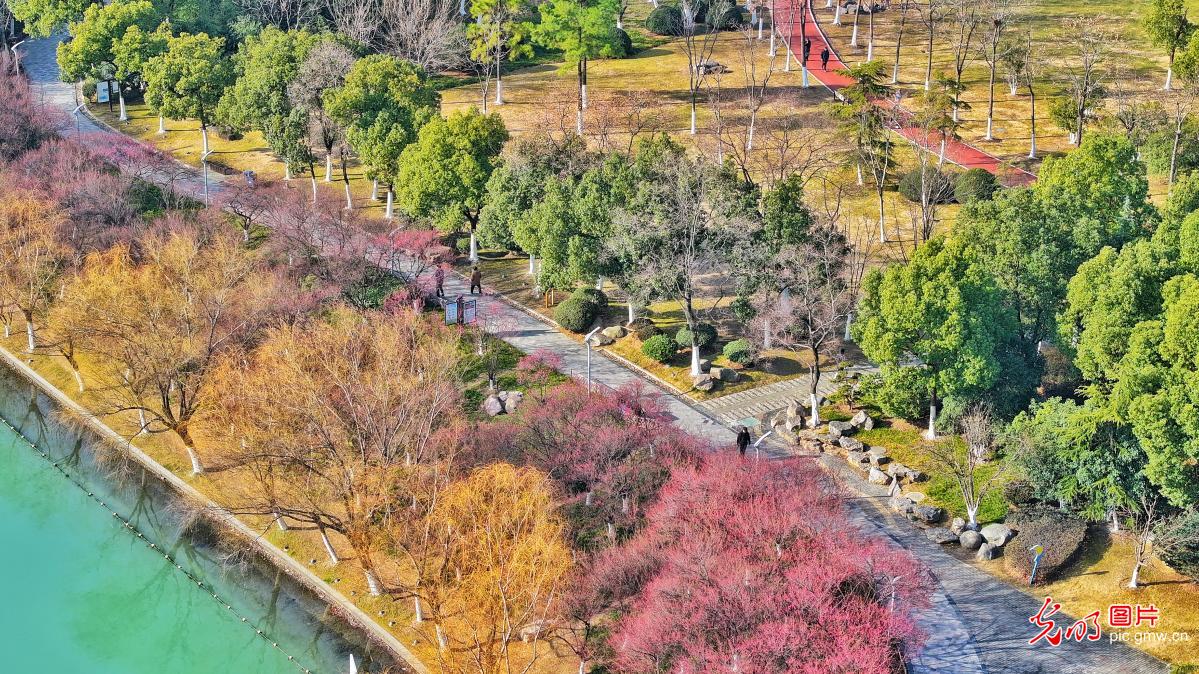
(309, 124)
(936, 325)
(682, 227)
(903, 20)
(811, 318)
(444, 174)
(930, 14)
(94, 48)
(966, 16)
(500, 32)
(382, 105)
(1022, 68)
(1083, 76)
(868, 124)
(963, 461)
(699, 43)
(188, 79)
(582, 30)
(1168, 28)
(333, 423)
(31, 259)
(159, 324)
(998, 16)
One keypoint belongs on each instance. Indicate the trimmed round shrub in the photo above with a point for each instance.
(659, 347)
(644, 328)
(1061, 534)
(740, 351)
(1177, 543)
(576, 314)
(940, 186)
(975, 185)
(705, 335)
(626, 43)
(665, 20)
(596, 297)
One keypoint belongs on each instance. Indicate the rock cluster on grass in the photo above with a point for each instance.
(504, 402)
(877, 467)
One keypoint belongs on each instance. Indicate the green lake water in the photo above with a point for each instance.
(80, 592)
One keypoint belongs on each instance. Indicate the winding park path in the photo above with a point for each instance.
(977, 624)
(788, 13)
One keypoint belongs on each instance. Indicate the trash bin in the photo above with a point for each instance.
(251, 177)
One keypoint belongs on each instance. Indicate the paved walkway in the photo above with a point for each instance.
(977, 623)
(962, 154)
(731, 409)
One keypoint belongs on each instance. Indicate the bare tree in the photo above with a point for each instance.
(800, 144)
(903, 19)
(806, 306)
(426, 32)
(1022, 68)
(930, 15)
(698, 45)
(1180, 102)
(994, 48)
(966, 17)
(962, 464)
(1084, 74)
(286, 14)
(325, 67)
(1144, 515)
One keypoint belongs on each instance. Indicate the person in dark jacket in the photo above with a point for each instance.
(807, 50)
(824, 58)
(439, 277)
(476, 280)
(743, 439)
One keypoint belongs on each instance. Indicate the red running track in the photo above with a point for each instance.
(794, 32)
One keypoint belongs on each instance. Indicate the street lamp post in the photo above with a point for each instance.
(75, 112)
(204, 165)
(758, 445)
(587, 341)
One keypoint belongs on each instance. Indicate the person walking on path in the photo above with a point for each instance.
(824, 58)
(439, 277)
(807, 50)
(476, 280)
(743, 439)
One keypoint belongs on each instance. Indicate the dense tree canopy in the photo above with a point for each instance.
(444, 173)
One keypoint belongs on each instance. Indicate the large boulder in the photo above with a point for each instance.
(726, 374)
(839, 428)
(879, 477)
(601, 339)
(899, 471)
(986, 552)
(492, 406)
(511, 400)
(704, 382)
(930, 514)
(862, 420)
(615, 332)
(997, 534)
(970, 540)
(958, 525)
(851, 444)
(941, 536)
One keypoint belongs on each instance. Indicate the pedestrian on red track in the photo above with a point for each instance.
(824, 54)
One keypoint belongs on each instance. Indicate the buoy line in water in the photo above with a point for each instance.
(133, 529)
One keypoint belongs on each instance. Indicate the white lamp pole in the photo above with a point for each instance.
(204, 164)
(587, 341)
